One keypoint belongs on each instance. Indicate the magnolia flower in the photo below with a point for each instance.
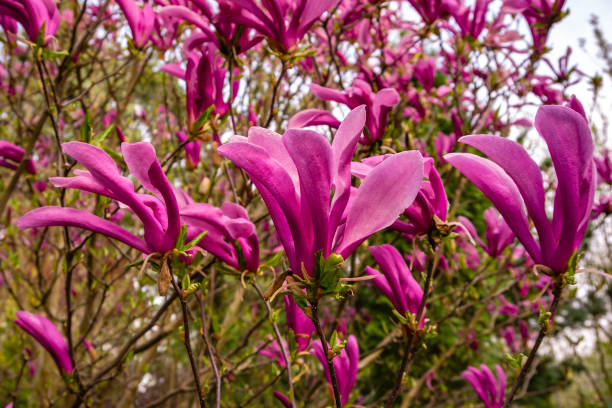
(430, 202)
(230, 38)
(471, 20)
(204, 78)
(296, 174)
(283, 23)
(192, 149)
(158, 213)
(45, 333)
(11, 155)
(512, 179)
(498, 233)
(604, 167)
(297, 321)
(140, 20)
(539, 15)
(230, 234)
(32, 15)
(396, 282)
(490, 390)
(378, 105)
(431, 10)
(345, 365)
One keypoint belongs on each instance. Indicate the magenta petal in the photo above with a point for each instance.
(388, 189)
(174, 70)
(527, 176)
(277, 189)
(273, 144)
(313, 117)
(352, 352)
(343, 147)
(185, 14)
(70, 217)
(498, 187)
(328, 94)
(45, 333)
(569, 141)
(312, 156)
(103, 168)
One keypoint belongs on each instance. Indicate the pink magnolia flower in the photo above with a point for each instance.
(396, 281)
(378, 105)
(297, 321)
(604, 167)
(47, 335)
(283, 23)
(230, 234)
(345, 365)
(192, 149)
(140, 20)
(490, 390)
(158, 213)
(296, 174)
(11, 155)
(511, 180)
(32, 15)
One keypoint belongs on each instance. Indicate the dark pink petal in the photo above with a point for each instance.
(328, 94)
(569, 141)
(498, 187)
(343, 147)
(526, 175)
(276, 188)
(312, 156)
(71, 217)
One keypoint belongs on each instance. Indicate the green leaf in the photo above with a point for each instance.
(329, 272)
(49, 54)
(180, 240)
(98, 140)
(186, 283)
(196, 240)
(204, 117)
(86, 132)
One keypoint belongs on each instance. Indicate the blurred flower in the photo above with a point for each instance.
(345, 365)
(490, 390)
(47, 335)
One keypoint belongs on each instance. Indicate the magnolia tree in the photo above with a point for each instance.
(297, 203)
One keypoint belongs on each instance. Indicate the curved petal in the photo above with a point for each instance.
(569, 141)
(343, 148)
(498, 187)
(71, 217)
(312, 156)
(328, 94)
(526, 175)
(277, 190)
(313, 117)
(390, 188)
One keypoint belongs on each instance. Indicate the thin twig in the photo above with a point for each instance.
(314, 307)
(281, 344)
